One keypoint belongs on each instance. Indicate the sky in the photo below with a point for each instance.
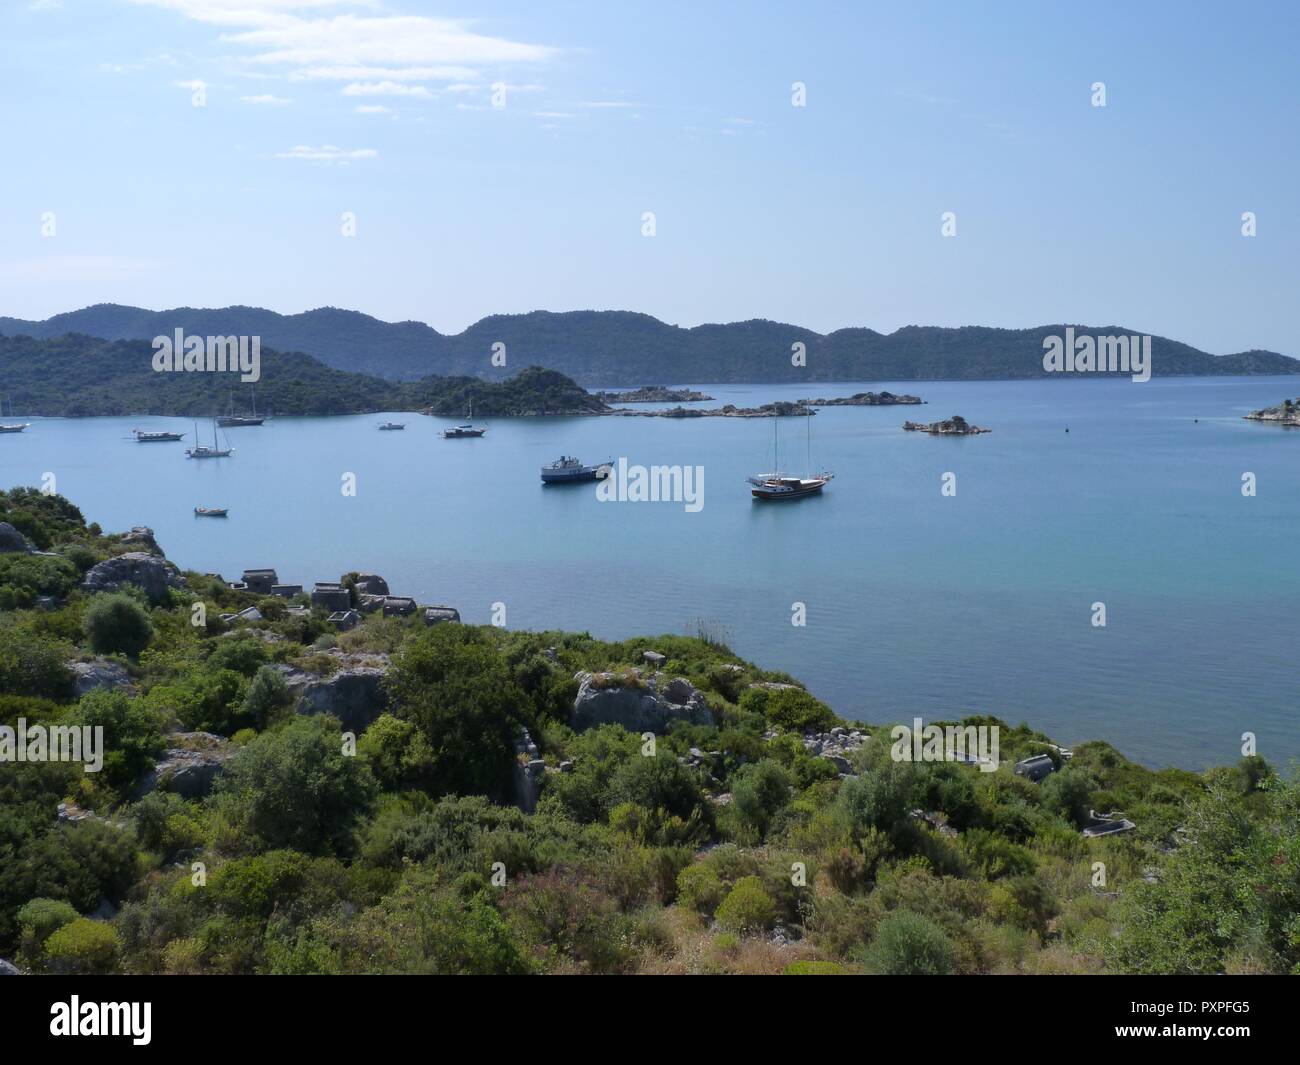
(501, 157)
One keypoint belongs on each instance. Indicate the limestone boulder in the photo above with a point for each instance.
(139, 568)
(638, 702)
(100, 673)
(190, 765)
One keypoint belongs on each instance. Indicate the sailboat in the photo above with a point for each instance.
(12, 427)
(467, 429)
(235, 421)
(202, 451)
(777, 486)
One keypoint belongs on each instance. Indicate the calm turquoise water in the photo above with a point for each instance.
(916, 603)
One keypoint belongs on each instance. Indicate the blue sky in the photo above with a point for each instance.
(827, 215)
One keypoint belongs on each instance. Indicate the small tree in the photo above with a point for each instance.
(117, 624)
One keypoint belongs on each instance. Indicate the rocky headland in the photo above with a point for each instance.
(1285, 413)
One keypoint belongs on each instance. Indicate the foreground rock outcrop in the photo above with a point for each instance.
(354, 693)
(638, 702)
(100, 673)
(190, 766)
(12, 541)
(151, 573)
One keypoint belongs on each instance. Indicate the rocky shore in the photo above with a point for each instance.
(654, 394)
(1285, 413)
(779, 409)
(865, 399)
(954, 426)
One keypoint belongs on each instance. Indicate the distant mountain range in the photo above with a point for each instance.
(623, 348)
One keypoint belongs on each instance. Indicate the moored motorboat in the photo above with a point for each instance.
(210, 512)
(144, 436)
(15, 427)
(567, 470)
(391, 426)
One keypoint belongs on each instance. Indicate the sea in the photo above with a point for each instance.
(1114, 560)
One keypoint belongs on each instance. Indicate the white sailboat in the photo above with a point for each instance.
(12, 427)
(202, 451)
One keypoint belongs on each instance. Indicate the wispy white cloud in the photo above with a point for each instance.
(384, 88)
(266, 100)
(372, 109)
(327, 153)
(606, 104)
(354, 39)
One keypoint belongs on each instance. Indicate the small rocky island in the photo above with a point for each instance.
(1285, 413)
(865, 399)
(654, 394)
(779, 409)
(954, 426)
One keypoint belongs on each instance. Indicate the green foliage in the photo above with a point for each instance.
(758, 791)
(449, 931)
(907, 944)
(450, 682)
(25, 577)
(398, 753)
(38, 920)
(700, 888)
(117, 624)
(1228, 896)
(82, 947)
(792, 709)
(816, 968)
(1068, 793)
(133, 736)
(31, 666)
(204, 701)
(295, 788)
(748, 908)
(267, 695)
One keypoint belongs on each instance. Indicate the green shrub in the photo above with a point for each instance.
(117, 624)
(267, 694)
(295, 788)
(32, 666)
(907, 944)
(748, 908)
(38, 920)
(700, 888)
(133, 736)
(758, 791)
(82, 947)
(792, 709)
